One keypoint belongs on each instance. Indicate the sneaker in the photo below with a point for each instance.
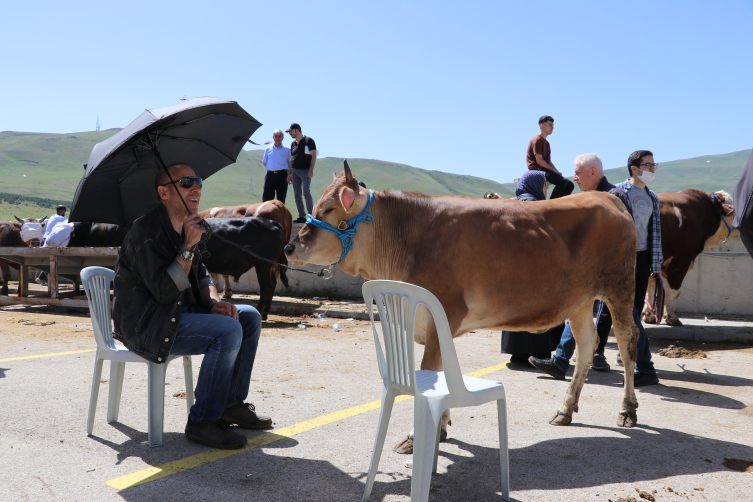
(619, 360)
(642, 379)
(299, 220)
(244, 415)
(600, 363)
(215, 433)
(547, 366)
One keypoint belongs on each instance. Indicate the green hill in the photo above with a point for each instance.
(41, 170)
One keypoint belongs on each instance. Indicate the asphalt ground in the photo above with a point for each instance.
(322, 388)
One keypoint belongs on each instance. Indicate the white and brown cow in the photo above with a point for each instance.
(496, 264)
(691, 221)
(20, 233)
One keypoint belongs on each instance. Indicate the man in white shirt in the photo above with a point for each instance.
(58, 217)
(276, 160)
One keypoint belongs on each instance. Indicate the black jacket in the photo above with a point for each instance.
(606, 186)
(151, 287)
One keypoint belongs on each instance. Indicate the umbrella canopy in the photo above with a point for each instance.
(744, 206)
(118, 186)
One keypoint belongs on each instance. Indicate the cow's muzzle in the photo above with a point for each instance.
(289, 250)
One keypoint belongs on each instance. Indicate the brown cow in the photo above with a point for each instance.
(691, 221)
(483, 260)
(10, 236)
(272, 210)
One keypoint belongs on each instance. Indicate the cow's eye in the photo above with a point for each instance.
(327, 211)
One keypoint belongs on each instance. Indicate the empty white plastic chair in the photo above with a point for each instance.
(96, 281)
(434, 391)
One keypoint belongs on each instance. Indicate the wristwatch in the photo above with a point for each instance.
(187, 255)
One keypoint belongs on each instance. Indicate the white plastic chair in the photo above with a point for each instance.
(434, 391)
(96, 281)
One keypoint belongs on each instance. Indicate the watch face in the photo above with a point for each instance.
(186, 255)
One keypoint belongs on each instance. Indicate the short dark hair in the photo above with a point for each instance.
(635, 159)
(545, 118)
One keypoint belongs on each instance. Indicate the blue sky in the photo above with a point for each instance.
(449, 86)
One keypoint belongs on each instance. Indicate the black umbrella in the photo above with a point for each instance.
(118, 185)
(744, 206)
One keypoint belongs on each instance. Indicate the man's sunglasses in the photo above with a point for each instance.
(188, 181)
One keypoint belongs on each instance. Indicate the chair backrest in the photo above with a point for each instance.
(397, 303)
(96, 281)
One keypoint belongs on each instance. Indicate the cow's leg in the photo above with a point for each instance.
(5, 271)
(670, 309)
(228, 291)
(266, 290)
(627, 334)
(648, 316)
(586, 341)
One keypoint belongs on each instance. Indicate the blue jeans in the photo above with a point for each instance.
(566, 348)
(302, 183)
(229, 349)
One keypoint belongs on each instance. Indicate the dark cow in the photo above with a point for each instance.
(96, 235)
(691, 221)
(262, 236)
(10, 236)
(272, 210)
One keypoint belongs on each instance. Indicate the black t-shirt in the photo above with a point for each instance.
(302, 160)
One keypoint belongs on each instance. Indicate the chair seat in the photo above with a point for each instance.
(434, 385)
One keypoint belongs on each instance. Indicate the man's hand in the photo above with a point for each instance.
(224, 308)
(290, 180)
(311, 173)
(193, 230)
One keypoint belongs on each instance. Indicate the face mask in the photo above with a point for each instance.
(646, 177)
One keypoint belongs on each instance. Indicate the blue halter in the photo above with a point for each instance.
(348, 235)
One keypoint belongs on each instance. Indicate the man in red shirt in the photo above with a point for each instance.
(539, 158)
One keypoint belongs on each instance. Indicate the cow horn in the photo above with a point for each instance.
(42, 220)
(348, 174)
(19, 219)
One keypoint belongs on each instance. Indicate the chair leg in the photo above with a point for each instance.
(156, 402)
(188, 377)
(94, 394)
(436, 448)
(504, 458)
(425, 423)
(388, 399)
(117, 370)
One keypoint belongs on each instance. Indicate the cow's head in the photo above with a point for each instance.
(342, 201)
(32, 230)
(723, 204)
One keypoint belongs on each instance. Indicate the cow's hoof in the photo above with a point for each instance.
(227, 294)
(405, 446)
(649, 319)
(264, 317)
(442, 436)
(674, 322)
(561, 419)
(627, 419)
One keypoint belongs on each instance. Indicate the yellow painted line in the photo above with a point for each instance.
(47, 355)
(184, 464)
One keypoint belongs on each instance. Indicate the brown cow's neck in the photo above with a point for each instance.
(383, 249)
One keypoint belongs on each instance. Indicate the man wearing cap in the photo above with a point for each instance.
(539, 158)
(277, 162)
(302, 160)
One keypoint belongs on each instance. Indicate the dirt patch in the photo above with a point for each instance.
(682, 352)
(737, 464)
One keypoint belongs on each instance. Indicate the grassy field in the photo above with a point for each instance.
(51, 166)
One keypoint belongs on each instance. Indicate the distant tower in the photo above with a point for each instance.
(98, 124)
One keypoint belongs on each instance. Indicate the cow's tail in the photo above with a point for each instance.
(283, 271)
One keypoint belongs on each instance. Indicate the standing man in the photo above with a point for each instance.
(539, 158)
(589, 174)
(58, 217)
(302, 161)
(165, 304)
(277, 161)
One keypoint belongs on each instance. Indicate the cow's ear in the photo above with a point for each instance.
(348, 198)
(728, 209)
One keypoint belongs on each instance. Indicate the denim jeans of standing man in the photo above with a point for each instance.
(302, 183)
(229, 349)
(566, 348)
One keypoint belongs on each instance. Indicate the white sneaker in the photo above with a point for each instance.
(619, 360)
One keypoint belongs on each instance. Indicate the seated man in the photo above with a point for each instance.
(166, 304)
(589, 174)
